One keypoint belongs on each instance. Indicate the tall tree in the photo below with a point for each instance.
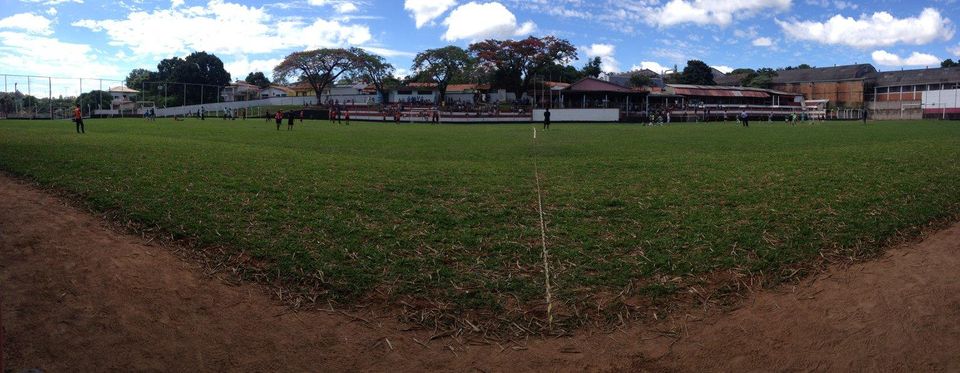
(373, 69)
(949, 63)
(258, 79)
(442, 65)
(93, 100)
(592, 68)
(640, 80)
(697, 73)
(199, 68)
(518, 61)
(319, 67)
(138, 76)
(762, 78)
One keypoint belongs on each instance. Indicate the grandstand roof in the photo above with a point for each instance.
(731, 80)
(825, 74)
(596, 85)
(724, 91)
(921, 76)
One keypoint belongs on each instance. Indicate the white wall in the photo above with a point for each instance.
(579, 115)
(941, 99)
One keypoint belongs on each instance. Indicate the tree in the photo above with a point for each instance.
(592, 68)
(373, 69)
(137, 77)
(762, 78)
(442, 65)
(95, 99)
(640, 80)
(258, 79)
(199, 68)
(949, 63)
(742, 71)
(516, 62)
(7, 102)
(697, 73)
(319, 67)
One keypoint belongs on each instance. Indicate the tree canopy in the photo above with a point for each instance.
(640, 80)
(949, 63)
(258, 79)
(516, 62)
(442, 65)
(697, 72)
(592, 68)
(373, 69)
(319, 67)
(762, 78)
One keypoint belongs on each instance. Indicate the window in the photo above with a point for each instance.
(883, 90)
(921, 88)
(404, 92)
(934, 87)
(425, 93)
(908, 88)
(894, 89)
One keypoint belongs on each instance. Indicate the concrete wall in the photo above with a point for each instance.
(579, 115)
(895, 110)
(843, 94)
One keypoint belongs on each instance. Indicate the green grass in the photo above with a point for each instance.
(449, 213)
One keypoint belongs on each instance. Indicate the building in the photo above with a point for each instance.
(124, 98)
(275, 91)
(916, 94)
(843, 86)
(240, 91)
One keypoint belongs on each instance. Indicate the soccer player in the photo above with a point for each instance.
(346, 115)
(290, 121)
(546, 119)
(745, 119)
(78, 119)
(301, 116)
(278, 117)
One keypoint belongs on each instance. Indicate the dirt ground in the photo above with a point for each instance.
(77, 296)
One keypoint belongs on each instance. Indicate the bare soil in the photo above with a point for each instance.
(78, 296)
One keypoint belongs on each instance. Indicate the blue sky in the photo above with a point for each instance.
(106, 39)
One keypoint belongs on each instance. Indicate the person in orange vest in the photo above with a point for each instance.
(278, 118)
(78, 119)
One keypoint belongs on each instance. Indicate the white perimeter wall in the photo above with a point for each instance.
(941, 99)
(579, 115)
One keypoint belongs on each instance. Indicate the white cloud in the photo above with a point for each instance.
(317, 2)
(710, 12)
(605, 52)
(33, 54)
(475, 21)
(652, 66)
(424, 11)
(389, 52)
(53, 2)
(885, 58)
(222, 27)
(240, 67)
(762, 42)
(28, 22)
(723, 69)
(52, 11)
(879, 29)
(345, 8)
(955, 50)
(176, 3)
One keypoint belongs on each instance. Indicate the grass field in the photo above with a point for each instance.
(446, 216)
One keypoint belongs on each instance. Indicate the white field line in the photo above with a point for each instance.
(543, 244)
